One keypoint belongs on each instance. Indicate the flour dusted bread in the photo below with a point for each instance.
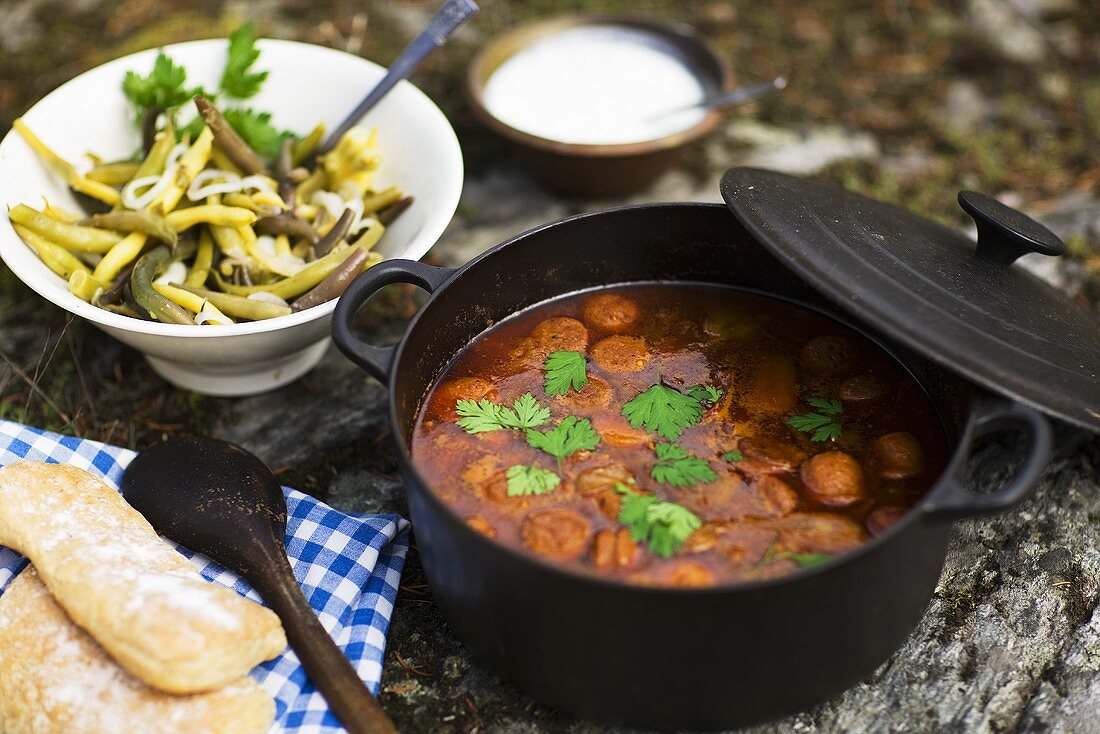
(55, 679)
(132, 592)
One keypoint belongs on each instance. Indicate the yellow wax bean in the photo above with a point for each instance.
(243, 201)
(64, 169)
(295, 285)
(69, 236)
(272, 264)
(371, 236)
(382, 199)
(119, 256)
(191, 302)
(56, 258)
(268, 198)
(282, 245)
(222, 162)
(304, 148)
(200, 268)
(223, 216)
(84, 286)
(114, 174)
(190, 163)
(59, 213)
(314, 183)
(153, 165)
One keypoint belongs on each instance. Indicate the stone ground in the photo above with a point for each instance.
(907, 100)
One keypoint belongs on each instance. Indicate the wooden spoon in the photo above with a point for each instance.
(220, 500)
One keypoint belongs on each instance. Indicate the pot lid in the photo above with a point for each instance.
(960, 304)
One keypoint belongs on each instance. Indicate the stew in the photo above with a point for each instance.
(677, 435)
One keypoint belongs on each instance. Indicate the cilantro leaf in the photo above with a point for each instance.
(570, 436)
(479, 416)
(705, 393)
(664, 411)
(163, 88)
(805, 559)
(524, 481)
(825, 425)
(565, 370)
(256, 130)
(674, 466)
(734, 455)
(237, 79)
(664, 526)
(526, 412)
(484, 415)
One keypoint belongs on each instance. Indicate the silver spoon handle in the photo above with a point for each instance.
(445, 22)
(745, 94)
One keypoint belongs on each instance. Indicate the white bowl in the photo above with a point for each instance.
(307, 84)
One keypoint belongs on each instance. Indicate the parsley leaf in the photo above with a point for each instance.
(484, 415)
(705, 393)
(664, 526)
(237, 81)
(256, 130)
(734, 455)
(825, 425)
(163, 88)
(664, 411)
(674, 466)
(524, 481)
(570, 436)
(565, 370)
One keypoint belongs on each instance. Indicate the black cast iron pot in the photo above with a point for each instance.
(666, 658)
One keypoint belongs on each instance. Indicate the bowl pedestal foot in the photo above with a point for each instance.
(239, 380)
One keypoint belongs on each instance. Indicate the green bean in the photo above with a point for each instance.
(227, 139)
(141, 284)
(382, 199)
(69, 236)
(56, 257)
(288, 225)
(146, 222)
(296, 284)
(336, 233)
(336, 281)
(114, 174)
(283, 164)
(119, 308)
(239, 307)
(114, 294)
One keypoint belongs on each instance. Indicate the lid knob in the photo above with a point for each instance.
(1005, 234)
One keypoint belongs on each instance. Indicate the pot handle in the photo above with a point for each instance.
(377, 360)
(991, 415)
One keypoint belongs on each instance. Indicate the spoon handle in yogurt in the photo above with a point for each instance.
(445, 22)
(737, 96)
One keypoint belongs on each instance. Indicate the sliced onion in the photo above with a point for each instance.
(330, 202)
(213, 181)
(152, 186)
(173, 274)
(204, 317)
(266, 245)
(256, 182)
(268, 297)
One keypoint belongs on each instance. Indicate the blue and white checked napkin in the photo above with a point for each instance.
(349, 567)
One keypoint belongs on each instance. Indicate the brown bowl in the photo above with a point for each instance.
(600, 170)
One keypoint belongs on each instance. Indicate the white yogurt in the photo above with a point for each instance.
(594, 85)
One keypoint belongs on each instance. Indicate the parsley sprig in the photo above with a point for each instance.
(676, 467)
(165, 89)
(564, 372)
(804, 560)
(238, 79)
(825, 425)
(481, 416)
(570, 436)
(664, 526)
(733, 456)
(666, 411)
(524, 481)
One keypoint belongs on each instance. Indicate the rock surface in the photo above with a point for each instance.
(907, 105)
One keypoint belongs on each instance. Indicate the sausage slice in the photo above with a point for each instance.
(610, 312)
(621, 354)
(558, 532)
(899, 456)
(561, 334)
(834, 478)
